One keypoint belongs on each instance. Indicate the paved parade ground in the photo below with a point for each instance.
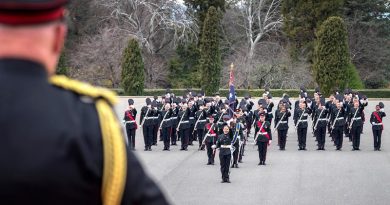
(290, 177)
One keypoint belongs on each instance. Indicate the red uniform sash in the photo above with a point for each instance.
(262, 129)
(378, 118)
(132, 118)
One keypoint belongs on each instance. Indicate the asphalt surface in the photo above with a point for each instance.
(290, 177)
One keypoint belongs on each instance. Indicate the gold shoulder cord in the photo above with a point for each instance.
(115, 162)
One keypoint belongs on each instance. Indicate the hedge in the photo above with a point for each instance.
(370, 93)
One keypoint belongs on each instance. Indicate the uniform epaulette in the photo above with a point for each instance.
(83, 88)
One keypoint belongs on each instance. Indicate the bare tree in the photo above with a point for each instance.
(257, 20)
(98, 58)
(155, 23)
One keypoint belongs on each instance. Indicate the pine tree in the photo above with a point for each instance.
(210, 61)
(301, 20)
(132, 69)
(331, 55)
(201, 7)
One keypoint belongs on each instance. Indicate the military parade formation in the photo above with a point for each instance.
(227, 125)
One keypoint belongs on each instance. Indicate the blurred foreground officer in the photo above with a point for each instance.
(66, 146)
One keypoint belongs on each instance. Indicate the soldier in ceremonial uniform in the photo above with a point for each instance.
(237, 128)
(166, 125)
(338, 122)
(377, 124)
(174, 120)
(210, 139)
(224, 144)
(281, 123)
(131, 123)
(356, 123)
(263, 138)
(320, 124)
(57, 150)
(147, 121)
(300, 121)
(200, 117)
(183, 128)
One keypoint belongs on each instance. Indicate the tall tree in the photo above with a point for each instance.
(368, 24)
(302, 18)
(132, 69)
(331, 55)
(210, 61)
(200, 9)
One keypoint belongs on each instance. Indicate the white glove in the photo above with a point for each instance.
(382, 110)
(123, 121)
(214, 146)
(269, 142)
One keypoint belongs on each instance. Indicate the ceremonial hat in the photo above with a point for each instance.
(30, 12)
(269, 96)
(381, 105)
(155, 97)
(200, 102)
(303, 89)
(262, 102)
(130, 101)
(339, 98)
(266, 89)
(317, 90)
(168, 90)
(227, 102)
(148, 101)
(154, 104)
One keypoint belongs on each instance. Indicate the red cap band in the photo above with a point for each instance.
(28, 18)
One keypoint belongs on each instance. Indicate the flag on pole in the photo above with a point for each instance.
(232, 96)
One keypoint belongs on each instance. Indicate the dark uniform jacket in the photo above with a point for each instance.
(340, 118)
(150, 116)
(376, 124)
(283, 118)
(175, 116)
(129, 119)
(301, 116)
(321, 117)
(185, 119)
(165, 118)
(224, 140)
(269, 115)
(51, 147)
(200, 116)
(356, 120)
(264, 135)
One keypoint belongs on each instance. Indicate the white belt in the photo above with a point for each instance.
(263, 133)
(191, 118)
(173, 118)
(282, 122)
(357, 118)
(226, 146)
(221, 123)
(185, 122)
(374, 123)
(166, 120)
(211, 135)
(340, 118)
(132, 121)
(151, 118)
(323, 119)
(201, 120)
(270, 113)
(302, 120)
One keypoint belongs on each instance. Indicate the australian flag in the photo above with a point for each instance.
(232, 96)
